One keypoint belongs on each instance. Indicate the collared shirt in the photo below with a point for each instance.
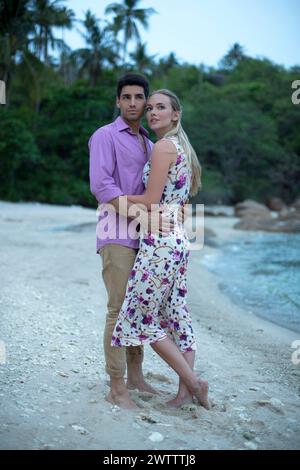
(117, 159)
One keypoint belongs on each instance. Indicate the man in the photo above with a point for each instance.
(118, 153)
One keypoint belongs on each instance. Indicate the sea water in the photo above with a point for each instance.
(262, 272)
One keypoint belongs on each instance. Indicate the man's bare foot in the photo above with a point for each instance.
(142, 386)
(122, 400)
(178, 401)
(201, 393)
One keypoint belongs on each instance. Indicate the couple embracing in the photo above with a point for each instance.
(145, 275)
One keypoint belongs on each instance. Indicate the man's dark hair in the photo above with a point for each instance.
(133, 79)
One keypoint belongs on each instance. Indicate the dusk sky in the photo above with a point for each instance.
(202, 31)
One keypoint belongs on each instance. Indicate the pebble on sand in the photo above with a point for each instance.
(156, 437)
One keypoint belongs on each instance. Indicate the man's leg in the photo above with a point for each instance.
(135, 377)
(117, 264)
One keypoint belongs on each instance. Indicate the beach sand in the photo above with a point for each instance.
(52, 381)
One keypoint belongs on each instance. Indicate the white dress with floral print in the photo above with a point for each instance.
(155, 301)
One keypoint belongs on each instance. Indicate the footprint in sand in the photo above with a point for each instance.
(272, 405)
(158, 377)
(145, 396)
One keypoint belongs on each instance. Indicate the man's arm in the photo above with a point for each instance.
(102, 182)
(102, 166)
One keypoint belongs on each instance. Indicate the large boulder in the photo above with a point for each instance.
(249, 209)
(291, 213)
(255, 216)
(275, 204)
(271, 225)
(296, 204)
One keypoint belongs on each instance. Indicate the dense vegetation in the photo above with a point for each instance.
(239, 116)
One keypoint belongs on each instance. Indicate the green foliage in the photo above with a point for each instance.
(239, 116)
(214, 191)
(67, 120)
(19, 156)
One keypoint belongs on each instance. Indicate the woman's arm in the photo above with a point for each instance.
(163, 155)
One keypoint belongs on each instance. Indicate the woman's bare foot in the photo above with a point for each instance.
(122, 400)
(141, 386)
(201, 393)
(178, 401)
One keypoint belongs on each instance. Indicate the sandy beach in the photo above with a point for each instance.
(52, 380)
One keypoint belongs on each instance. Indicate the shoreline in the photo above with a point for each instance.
(228, 233)
(53, 384)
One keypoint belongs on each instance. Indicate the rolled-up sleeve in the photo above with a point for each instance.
(102, 166)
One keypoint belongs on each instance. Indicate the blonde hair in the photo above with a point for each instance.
(183, 141)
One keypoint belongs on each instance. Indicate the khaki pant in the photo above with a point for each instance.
(117, 263)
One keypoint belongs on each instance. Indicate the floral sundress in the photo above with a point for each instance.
(155, 301)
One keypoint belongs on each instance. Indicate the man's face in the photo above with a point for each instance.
(132, 102)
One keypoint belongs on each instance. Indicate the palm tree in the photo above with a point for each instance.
(233, 57)
(15, 25)
(67, 66)
(165, 64)
(46, 15)
(127, 15)
(100, 50)
(142, 61)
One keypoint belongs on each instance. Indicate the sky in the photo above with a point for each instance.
(202, 31)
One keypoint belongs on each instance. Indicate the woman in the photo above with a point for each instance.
(154, 310)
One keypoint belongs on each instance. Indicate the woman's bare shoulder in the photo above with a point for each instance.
(165, 146)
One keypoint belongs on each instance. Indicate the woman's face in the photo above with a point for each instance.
(160, 115)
